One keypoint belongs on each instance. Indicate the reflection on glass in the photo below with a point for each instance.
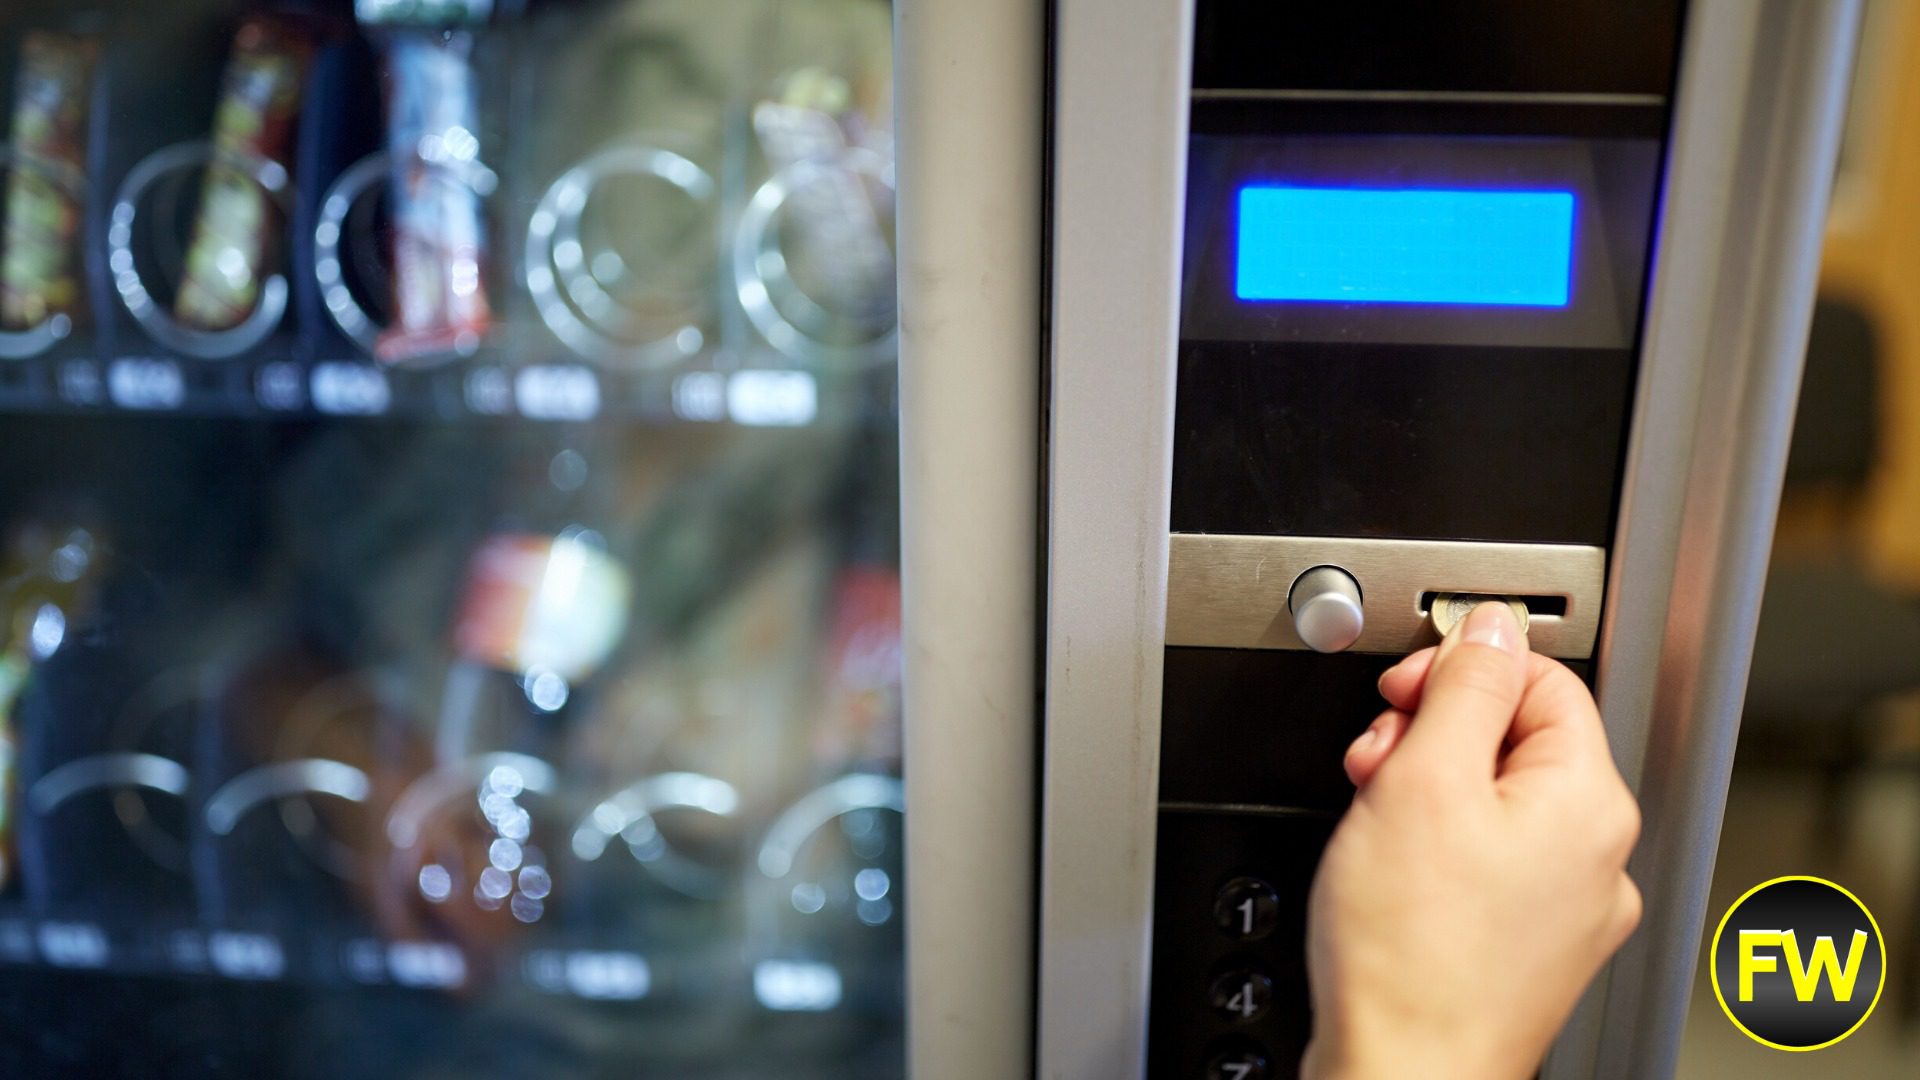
(449, 593)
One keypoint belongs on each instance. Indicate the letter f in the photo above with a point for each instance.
(1751, 964)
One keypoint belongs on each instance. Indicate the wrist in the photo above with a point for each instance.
(1396, 1054)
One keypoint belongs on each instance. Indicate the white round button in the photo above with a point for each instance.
(1325, 602)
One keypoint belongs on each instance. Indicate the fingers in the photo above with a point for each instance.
(1628, 906)
(1374, 744)
(1557, 728)
(1401, 683)
(1471, 693)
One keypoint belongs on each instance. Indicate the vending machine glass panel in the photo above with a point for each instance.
(448, 540)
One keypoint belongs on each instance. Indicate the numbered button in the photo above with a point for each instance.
(1241, 996)
(1238, 1059)
(1246, 909)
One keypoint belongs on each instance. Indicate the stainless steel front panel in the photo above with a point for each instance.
(1231, 591)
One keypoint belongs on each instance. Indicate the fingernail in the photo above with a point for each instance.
(1492, 624)
(1366, 739)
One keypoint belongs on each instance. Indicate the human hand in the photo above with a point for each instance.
(1479, 880)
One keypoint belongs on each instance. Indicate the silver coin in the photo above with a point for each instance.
(1450, 609)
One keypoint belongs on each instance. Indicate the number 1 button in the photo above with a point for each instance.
(1246, 909)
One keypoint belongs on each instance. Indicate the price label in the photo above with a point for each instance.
(344, 389)
(148, 384)
(700, 396)
(426, 964)
(246, 956)
(608, 976)
(489, 392)
(557, 392)
(278, 387)
(772, 398)
(73, 944)
(80, 382)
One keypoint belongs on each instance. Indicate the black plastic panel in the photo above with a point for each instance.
(1265, 115)
(1567, 46)
(1315, 418)
(1264, 727)
(1423, 442)
(1199, 853)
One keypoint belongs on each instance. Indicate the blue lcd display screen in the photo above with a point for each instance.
(1405, 246)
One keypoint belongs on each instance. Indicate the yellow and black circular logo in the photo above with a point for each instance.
(1798, 963)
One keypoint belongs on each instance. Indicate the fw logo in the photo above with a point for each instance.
(1825, 963)
(1779, 949)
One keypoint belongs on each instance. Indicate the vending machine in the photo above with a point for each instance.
(511, 570)
(1346, 315)
(447, 503)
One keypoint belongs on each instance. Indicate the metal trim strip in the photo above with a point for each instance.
(1761, 101)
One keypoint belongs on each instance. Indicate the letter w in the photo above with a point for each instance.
(1825, 962)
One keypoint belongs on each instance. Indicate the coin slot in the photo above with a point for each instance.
(1537, 606)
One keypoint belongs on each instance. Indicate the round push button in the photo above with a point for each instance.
(1241, 995)
(1325, 602)
(1238, 1059)
(1246, 908)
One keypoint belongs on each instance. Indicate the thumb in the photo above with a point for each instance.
(1471, 695)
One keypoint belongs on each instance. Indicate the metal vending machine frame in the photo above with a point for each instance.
(1039, 284)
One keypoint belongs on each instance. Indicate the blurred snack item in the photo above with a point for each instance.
(39, 272)
(252, 134)
(542, 605)
(861, 728)
(538, 615)
(439, 233)
(839, 230)
(49, 572)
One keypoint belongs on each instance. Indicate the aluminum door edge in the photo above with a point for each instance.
(970, 104)
(1121, 78)
(1760, 105)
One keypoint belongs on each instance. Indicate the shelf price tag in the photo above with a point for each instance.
(279, 387)
(345, 389)
(489, 392)
(73, 944)
(557, 392)
(426, 964)
(772, 398)
(700, 396)
(80, 382)
(146, 383)
(246, 956)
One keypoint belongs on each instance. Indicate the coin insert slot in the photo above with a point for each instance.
(1537, 606)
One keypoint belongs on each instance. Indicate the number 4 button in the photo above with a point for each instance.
(1241, 995)
(1246, 909)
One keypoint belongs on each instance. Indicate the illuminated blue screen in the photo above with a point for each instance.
(1359, 245)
